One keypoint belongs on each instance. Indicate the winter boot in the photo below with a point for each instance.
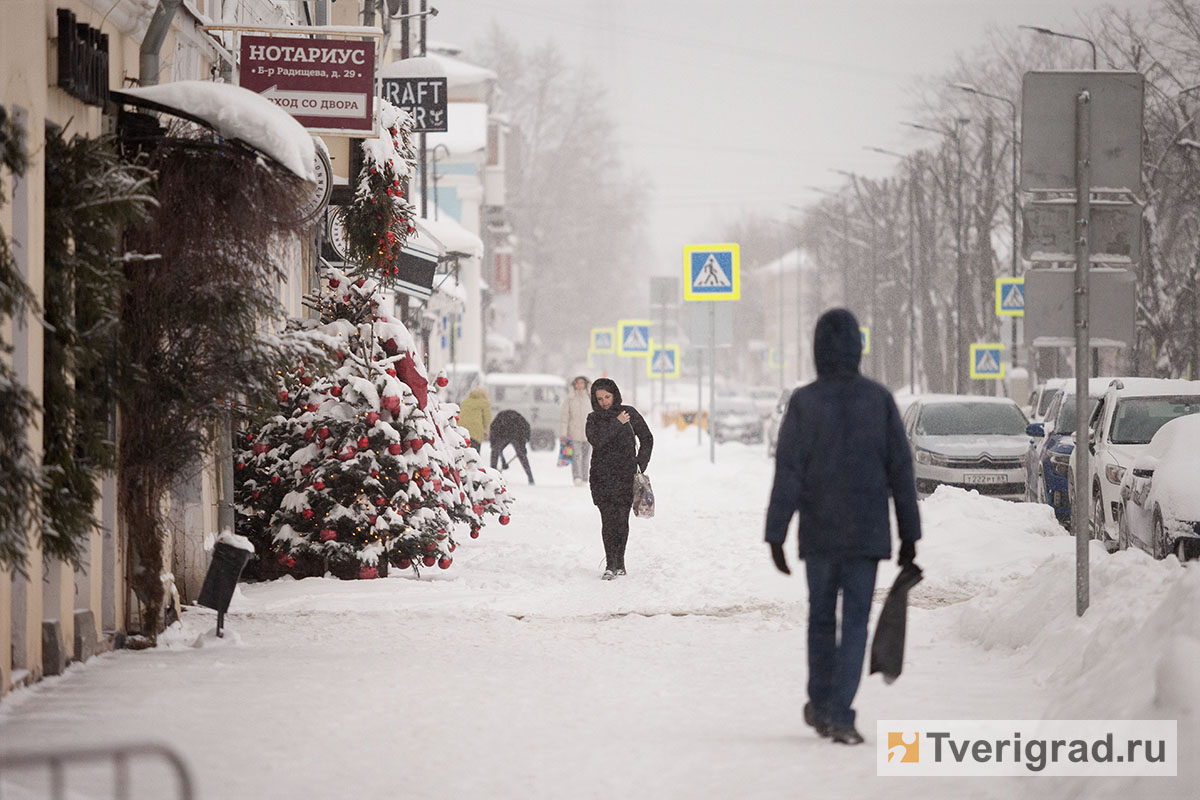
(608, 575)
(811, 719)
(846, 735)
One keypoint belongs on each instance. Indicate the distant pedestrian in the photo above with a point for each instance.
(509, 427)
(475, 415)
(841, 453)
(573, 426)
(621, 445)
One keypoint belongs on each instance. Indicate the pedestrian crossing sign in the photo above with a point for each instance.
(663, 361)
(712, 272)
(865, 333)
(633, 337)
(1010, 297)
(987, 361)
(604, 340)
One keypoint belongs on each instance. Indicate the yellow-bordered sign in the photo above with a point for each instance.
(1010, 297)
(712, 272)
(604, 340)
(865, 332)
(663, 361)
(987, 361)
(633, 337)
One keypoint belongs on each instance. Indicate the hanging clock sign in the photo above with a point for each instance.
(318, 199)
(335, 232)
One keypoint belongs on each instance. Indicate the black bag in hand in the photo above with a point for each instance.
(887, 648)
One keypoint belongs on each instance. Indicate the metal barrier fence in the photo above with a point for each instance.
(55, 763)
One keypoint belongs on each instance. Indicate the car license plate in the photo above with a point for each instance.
(983, 477)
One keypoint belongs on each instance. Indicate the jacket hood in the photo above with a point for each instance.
(586, 382)
(837, 344)
(608, 385)
(478, 393)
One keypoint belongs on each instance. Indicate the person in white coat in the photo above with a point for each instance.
(573, 426)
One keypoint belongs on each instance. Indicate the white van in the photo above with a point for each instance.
(536, 396)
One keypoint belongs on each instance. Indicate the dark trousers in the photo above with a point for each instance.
(476, 444)
(522, 456)
(835, 658)
(614, 529)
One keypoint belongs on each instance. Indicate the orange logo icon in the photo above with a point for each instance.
(904, 748)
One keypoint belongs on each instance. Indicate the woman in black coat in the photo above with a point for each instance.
(621, 444)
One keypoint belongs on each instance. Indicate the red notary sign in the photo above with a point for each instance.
(326, 84)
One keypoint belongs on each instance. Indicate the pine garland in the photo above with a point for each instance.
(91, 196)
(20, 482)
(379, 219)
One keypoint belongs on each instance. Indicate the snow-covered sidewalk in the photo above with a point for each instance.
(518, 673)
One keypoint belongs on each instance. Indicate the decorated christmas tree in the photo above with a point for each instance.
(363, 467)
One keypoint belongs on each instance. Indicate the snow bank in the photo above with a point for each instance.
(1134, 654)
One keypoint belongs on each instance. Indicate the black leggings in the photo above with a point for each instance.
(498, 446)
(614, 529)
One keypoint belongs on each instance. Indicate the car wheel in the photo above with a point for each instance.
(1160, 535)
(1096, 518)
(1122, 529)
(1180, 549)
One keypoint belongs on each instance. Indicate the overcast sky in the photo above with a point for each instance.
(735, 106)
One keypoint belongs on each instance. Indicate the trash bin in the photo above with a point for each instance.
(221, 579)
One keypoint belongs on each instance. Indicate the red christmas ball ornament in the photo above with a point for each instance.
(359, 283)
(274, 480)
(323, 433)
(453, 547)
(345, 298)
(403, 476)
(429, 561)
(368, 574)
(307, 468)
(312, 407)
(443, 380)
(404, 563)
(466, 439)
(477, 508)
(372, 417)
(391, 372)
(416, 444)
(255, 494)
(334, 283)
(260, 448)
(307, 513)
(437, 485)
(371, 519)
(363, 443)
(318, 485)
(328, 534)
(347, 454)
(381, 501)
(474, 533)
(306, 380)
(431, 547)
(395, 448)
(445, 561)
(309, 433)
(504, 518)
(336, 391)
(283, 396)
(241, 465)
(291, 562)
(425, 472)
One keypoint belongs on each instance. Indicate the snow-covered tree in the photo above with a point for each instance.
(363, 467)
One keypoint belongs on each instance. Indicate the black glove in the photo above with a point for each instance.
(908, 551)
(777, 554)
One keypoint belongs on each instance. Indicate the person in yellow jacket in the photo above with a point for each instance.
(475, 415)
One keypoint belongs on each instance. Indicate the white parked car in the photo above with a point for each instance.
(971, 442)
(1126, 419)
(1160, 507)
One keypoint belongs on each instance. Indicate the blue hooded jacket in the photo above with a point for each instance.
(841, 453)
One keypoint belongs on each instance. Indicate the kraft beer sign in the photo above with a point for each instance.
(423, 98)
(326, 84)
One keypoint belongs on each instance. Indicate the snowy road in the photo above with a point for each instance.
(518, 673)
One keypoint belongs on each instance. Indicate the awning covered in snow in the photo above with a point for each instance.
(417, 263)
(453, 237)
(236, 114)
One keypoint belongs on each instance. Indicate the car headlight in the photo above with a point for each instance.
(931, 458)
(1114, 473)
(1060, 464)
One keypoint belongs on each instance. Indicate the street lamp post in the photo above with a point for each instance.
(434, 173)
(912, 261)
(1013, 206)
(955, 135)
(1048, 32)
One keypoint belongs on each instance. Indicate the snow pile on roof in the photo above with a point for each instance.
(453, 237)
(787, 263)
(240, 114)
(459, 74)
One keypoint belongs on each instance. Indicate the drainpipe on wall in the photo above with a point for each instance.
(152, 43)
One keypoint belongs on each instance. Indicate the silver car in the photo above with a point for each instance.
(970, 442)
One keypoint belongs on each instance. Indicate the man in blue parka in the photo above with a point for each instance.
(841, 453)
